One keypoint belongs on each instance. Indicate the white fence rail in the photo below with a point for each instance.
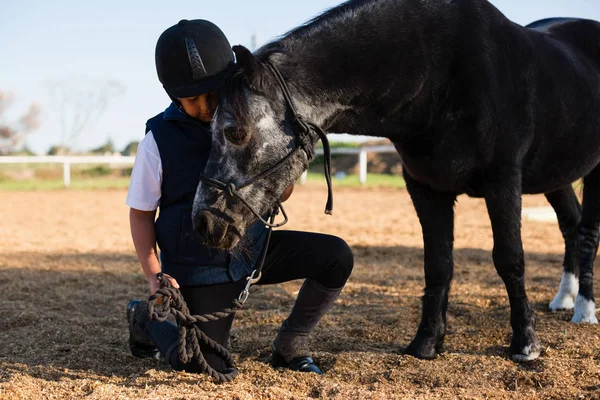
(362, 158)
(67, 161)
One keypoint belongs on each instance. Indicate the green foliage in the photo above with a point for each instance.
(24, 151)
(58, 151)
(395, 181)
(130, 149)
(339, 145)
(107, 147)
(57, 184)
(80, 181)
(126, 171)
(98, 170)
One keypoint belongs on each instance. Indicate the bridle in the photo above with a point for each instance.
(302, 129)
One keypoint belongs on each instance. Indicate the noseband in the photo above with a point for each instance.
(302, 129)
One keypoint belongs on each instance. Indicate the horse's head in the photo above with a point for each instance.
(252, 132)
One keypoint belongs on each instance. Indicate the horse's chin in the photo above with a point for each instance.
(230, 241)
(227, 241)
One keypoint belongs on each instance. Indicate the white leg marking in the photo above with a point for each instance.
(567, 290)
(585, 311)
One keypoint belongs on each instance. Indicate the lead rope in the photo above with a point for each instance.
(168, 300)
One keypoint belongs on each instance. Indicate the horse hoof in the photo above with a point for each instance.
(529, 353)
(525, 346)
(565, 298)
(562, 303)
(425, 348)
(585, 311)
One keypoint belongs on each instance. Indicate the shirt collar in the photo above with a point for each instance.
(173, 112)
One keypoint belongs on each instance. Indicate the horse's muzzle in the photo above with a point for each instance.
(213, 232)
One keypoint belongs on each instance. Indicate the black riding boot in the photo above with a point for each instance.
(148, 338)
(140, 343)
(165, 335)
(290, 348)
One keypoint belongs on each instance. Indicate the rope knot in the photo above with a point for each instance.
(305, 143)
(230, 189)
(304, 127)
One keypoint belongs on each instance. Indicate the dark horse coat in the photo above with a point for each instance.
(473, 102)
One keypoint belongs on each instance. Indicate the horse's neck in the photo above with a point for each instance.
(366, 65)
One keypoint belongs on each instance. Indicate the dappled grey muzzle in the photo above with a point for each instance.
(214, 230)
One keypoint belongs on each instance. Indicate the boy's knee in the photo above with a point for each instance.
(345, 255)
(342, 260)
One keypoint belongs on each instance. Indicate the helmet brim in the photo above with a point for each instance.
(202, 87)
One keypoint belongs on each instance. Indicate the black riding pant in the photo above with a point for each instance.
(291, 255)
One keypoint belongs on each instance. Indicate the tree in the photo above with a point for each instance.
(12, 135)
(57, 151)
(80, 102)
(107, 147)
(130, 149)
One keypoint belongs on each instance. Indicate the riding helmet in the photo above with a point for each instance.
(193, 58)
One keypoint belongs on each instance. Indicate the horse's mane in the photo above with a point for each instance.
(316, 25)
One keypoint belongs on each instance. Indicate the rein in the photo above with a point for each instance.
(303, 134)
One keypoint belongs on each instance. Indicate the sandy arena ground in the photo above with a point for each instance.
(68, 268)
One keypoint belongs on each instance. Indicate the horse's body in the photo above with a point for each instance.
(542, 118)
(474, 104)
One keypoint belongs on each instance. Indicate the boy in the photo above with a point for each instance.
(193, 60)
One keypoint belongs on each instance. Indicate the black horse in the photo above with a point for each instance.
(473, 102)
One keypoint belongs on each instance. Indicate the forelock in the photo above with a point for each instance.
(234, 95)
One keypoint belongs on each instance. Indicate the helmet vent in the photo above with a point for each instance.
(198, 70)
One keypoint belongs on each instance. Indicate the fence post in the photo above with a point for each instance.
(362, 165)
(67, 173)
(303, 177)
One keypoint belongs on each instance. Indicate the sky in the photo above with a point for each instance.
(83, 44)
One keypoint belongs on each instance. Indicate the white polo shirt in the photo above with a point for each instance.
(146, 177)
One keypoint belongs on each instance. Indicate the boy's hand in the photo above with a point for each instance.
(287, 193)
(155, 285)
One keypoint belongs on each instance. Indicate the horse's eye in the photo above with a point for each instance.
(235, 135)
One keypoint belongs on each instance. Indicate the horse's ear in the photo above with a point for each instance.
(255, 71)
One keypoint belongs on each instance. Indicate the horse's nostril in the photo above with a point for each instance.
(203, 224)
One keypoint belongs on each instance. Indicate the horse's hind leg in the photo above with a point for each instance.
(568, 210)
(585, 306)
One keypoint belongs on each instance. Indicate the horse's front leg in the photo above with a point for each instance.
(502, 192)
(436, 214)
